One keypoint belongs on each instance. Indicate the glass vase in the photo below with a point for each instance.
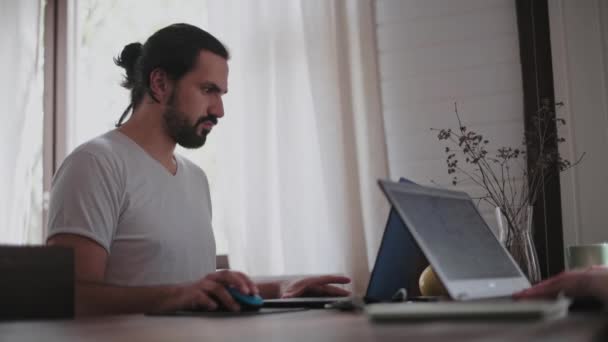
(515, 233)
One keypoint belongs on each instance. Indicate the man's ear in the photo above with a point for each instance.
(160, 85)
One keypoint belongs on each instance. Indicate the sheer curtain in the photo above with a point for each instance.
(22, 122)
(302, 142)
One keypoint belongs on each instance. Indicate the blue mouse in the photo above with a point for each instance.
(247, 302)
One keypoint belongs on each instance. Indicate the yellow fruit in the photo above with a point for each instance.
(430, 285)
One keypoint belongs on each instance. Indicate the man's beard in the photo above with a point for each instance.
(180, 129)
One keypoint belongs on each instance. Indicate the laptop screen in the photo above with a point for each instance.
(398, 264)
(454, 231)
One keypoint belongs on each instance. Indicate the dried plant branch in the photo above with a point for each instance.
(493, 172)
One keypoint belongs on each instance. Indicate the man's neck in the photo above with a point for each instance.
(147, 131)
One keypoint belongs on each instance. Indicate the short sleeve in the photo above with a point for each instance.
(85, 199)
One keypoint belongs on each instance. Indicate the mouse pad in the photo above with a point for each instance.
(212, 314)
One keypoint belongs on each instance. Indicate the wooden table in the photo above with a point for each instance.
(312, 325)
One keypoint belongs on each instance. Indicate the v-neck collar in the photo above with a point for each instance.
(148, 155)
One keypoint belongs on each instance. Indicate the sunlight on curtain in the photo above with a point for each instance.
(22, 121)
(302, 142)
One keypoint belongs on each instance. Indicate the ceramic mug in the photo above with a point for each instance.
(583, 256)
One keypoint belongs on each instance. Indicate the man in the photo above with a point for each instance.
(137, 215)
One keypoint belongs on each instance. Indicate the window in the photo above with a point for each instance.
(21, 132)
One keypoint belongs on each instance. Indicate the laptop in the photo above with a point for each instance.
(394, 276)
(477, 271)
(465, 254)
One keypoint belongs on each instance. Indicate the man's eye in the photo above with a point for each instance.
(210, 90)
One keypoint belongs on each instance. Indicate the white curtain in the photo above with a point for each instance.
(22, 122)
(302, 142)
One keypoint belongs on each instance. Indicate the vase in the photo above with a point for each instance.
(515, 234)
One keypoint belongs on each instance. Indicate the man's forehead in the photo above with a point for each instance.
(212, 68)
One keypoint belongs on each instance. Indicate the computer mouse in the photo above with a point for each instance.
(247, 302)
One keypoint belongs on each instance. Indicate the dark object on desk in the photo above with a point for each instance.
(601, 335)
(426, 299)
(586, 304)
(355, 304)
(221, 314)
(218, 314)
(303, 302)
(37, 282)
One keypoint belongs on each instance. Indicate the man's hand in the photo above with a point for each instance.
(210, 292)
(314, 286)
(591, 282)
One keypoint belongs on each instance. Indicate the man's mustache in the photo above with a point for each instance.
(209, 118)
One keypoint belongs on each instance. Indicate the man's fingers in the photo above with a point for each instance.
(234, 279)
(327, 279)
(219, 292)
(334, 279)
(333, 291)
(321, 291)
(206, 302)
(569, 283)
(314, 286)
(547, 288)
(251, 287)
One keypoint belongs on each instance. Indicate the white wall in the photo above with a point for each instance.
(579, 43)
(433, 53)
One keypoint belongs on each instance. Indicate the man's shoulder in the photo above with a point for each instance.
(105, 144)
(102, 150)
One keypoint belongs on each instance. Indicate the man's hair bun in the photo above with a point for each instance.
(127, 60)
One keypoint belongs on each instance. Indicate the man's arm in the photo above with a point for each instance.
(100, 299)
(94, 297)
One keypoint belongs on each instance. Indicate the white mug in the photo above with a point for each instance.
(583, 256)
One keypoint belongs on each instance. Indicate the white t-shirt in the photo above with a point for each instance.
(155, 226)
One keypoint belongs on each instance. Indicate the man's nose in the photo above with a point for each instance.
(218, 108)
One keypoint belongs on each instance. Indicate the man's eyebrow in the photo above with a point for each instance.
(213, 86)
